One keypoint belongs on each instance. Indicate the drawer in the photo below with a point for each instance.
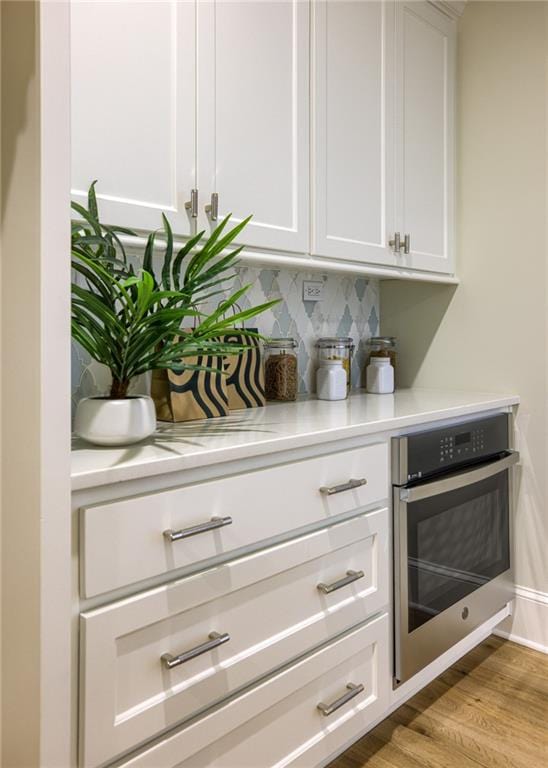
(265, 609)
(123, 542)
(278, 722)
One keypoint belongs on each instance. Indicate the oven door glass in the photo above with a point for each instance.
(456, 542)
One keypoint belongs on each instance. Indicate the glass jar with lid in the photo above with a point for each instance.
(381, 346)
(280, 369)
(337, 348)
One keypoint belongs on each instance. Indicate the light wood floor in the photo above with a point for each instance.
(490, 709)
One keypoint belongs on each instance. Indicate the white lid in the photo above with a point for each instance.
(380, 360)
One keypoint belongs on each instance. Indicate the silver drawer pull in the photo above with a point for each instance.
(185, 533)
(349, 486)
(353, 690)
(215, 639)
(350, 577)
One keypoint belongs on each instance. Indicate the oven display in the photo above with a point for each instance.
(428, 453)
(463, 438)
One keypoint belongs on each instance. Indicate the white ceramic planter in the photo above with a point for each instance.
(103, 421)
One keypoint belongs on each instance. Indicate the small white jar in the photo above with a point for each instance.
(331, 380)
(380, 376)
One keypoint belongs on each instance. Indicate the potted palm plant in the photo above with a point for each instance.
(134, 321)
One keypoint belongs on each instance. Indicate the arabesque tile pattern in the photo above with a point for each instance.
(350, 308)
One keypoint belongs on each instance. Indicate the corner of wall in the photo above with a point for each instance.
(490, 334)
(413, 312)
(1, 440)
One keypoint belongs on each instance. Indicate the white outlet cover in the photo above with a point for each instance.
(312, 290)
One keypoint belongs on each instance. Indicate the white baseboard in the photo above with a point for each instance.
(519, 640)
(528, 624)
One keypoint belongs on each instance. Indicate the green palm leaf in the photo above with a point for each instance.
(133, 322)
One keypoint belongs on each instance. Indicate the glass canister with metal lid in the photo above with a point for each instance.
(381, 346)
(337, 348)
(280, 369)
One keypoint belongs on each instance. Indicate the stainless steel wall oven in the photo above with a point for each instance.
(452, 506)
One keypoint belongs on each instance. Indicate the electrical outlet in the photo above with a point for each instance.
(312, 290)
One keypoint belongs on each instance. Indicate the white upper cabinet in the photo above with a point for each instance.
(253, 117)
(382, 128)
(352, 128)
(425, 74)
(335, 113)
(133, 125)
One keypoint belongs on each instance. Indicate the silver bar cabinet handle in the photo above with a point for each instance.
(353, 690)
(186, 533)
(349, 486)
(215, 639)
(407, 244)
(192, 204)
(213, 208)
(350, 577)
(396, 242)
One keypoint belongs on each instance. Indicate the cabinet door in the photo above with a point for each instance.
(425, 72)
(133, 107)
(352, 128)
(253, 117)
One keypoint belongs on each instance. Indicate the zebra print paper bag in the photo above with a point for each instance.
(191, 395)
(245, 373)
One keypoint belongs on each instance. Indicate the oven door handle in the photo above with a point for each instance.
(452, 483)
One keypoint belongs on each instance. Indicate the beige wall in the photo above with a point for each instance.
(35, 386)
(489, 334)
(20, 321)
(0, 391)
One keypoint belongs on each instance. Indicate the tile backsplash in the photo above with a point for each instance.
(350, 307)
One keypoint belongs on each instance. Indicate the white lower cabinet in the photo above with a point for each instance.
(256, 623)
(279, 722)
(124, 542)
(264, 610)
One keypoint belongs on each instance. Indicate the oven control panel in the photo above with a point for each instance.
(462, 445)
(422, 454)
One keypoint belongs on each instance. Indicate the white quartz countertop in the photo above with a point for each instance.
(277, 427)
